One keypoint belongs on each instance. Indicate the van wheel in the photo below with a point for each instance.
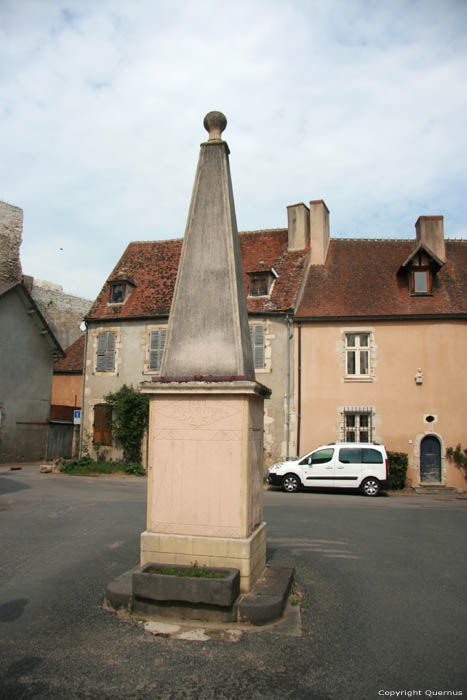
(370, 487)
(290, 483)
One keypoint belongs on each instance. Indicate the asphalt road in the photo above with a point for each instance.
(384, 581)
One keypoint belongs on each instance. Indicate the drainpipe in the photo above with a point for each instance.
(80, 450)
(299, 387)
(287, 423)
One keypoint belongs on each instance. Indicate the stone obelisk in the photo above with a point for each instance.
(205, 481)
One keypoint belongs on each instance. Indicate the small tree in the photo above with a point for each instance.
(129, 419)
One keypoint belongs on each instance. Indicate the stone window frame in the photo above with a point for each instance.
(372, 353)
(147, 346)
(343, 411)
(117, 357)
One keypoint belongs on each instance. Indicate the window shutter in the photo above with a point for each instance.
(105, 352)
(257, 342)
(102, 424)
(156, 348)
(101, 348)
(110, 353)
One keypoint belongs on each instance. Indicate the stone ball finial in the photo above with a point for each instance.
(215, 123)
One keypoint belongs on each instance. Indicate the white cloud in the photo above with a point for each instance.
(358, 103)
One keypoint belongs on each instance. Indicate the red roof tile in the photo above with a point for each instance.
(154, 264)
(73, 360)
(364, 278)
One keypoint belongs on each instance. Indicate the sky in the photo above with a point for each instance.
(361, 103)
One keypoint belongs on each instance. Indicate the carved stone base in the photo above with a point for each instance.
(248, 555)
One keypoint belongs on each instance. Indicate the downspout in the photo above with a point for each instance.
(287, 429)
(299, 387)
(80, 450)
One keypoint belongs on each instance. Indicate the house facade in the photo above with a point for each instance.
(126, 329)
(380, 337)
(27, 352)
(359, 339)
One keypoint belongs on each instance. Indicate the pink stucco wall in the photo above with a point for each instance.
(399, 349)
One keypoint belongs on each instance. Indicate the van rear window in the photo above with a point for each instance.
(370, 456)
(357, 455)
(350, 455)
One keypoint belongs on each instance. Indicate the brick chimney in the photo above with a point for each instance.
(430, 232)
(11, 228)
(298, 222)
(319, 231)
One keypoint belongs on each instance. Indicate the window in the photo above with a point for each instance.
(357, 427)
(350, 455)
(117, 293)
(156, 348)
(260, 284)
(421, 282)
(322, 456)
(370, 456)
(357, 352)
(257, 342)
(102, 428)
(106, 352)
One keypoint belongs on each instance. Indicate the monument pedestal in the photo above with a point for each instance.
(205, 480)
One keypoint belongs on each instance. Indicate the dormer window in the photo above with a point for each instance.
(121, 287)
(260, 282)
(117, 292)
(421, 267)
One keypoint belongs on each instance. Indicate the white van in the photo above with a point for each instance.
(353, 465)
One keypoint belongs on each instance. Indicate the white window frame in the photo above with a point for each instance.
(360, 351)
(343, 348)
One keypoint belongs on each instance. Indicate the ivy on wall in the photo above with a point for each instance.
(129, 420)
(458, 456)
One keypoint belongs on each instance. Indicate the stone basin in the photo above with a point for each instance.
(150, 585)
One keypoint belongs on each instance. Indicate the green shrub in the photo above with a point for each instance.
(86, 466)
(398, 463)
(129, 419)
(134, 468)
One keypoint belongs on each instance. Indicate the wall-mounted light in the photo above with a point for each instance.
(419, 376)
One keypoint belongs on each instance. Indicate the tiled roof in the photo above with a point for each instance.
(364, 278)
(73, 360)
(153, 265)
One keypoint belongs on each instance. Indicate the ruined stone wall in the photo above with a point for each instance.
(11, 228)
(63, 312)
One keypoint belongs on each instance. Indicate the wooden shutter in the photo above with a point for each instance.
(110, 353)
(106, 352)
(156, 348)
(257, 342)
(102, 433)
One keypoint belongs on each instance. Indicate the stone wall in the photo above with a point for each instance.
(63, 312)
(11, 228)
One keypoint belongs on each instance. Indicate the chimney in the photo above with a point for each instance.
(298, 222)
(319, 232)
(430, 232)
(11, 228)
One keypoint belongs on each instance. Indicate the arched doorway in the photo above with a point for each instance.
(430, 459)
